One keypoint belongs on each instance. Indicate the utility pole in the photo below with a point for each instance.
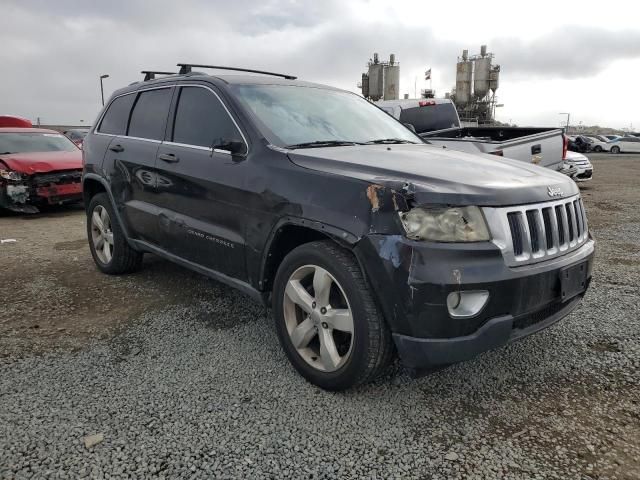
(102, 77)
(568, 117)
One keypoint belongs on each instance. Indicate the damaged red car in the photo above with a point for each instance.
(38, 167)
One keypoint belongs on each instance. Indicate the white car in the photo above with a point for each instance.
(577, 167)
(625, 145)
(599, 143)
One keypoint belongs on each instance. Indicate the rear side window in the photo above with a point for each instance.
(149, 115)
(430, 117)
(115, 120)
(202, 120)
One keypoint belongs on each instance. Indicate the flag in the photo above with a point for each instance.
(427, 75)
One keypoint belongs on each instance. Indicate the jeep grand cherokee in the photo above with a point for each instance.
(363, 239)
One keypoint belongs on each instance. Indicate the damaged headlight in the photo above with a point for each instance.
(10, 175)
(445, 224)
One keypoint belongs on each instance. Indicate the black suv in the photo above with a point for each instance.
(363, 239)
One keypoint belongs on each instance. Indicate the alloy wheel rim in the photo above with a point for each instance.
(318, 318)
(101, 234)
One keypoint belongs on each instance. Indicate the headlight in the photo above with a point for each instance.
(445, 224)
(10, 175)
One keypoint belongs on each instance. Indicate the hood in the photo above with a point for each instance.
(575, 157)
(441, 176)
(42, 162)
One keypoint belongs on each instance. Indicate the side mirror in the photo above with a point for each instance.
(235, 147)
(410, 127)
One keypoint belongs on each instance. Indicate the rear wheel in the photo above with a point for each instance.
(615, 149)
(109, 248)
(327, 322)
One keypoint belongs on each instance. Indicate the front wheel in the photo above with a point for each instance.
(597, 149)
(615, 149)
(326, 319)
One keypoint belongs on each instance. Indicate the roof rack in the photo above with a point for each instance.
(186, 68)
(151, 74)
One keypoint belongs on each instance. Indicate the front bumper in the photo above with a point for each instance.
(582, 174)
(413, 279)
(28, 194)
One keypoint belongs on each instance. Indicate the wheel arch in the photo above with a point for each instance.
(290, 233)
(93, 184)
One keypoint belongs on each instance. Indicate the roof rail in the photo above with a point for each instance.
(186, 68)
(151, 74)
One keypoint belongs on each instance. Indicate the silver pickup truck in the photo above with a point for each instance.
(436, 121)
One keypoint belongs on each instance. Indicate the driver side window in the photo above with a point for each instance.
(201, 120)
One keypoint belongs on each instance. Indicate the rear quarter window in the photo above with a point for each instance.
(115, 119)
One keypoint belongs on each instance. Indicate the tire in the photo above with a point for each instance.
(122, 258)
(363, 354)
(615, 149)
(597, 149)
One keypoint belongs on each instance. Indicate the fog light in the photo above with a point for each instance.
(466, 304)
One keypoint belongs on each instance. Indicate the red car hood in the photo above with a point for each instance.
(42, 162)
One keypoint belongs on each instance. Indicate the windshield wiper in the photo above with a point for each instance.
(6, 153)
(323, 143)
(389, 141)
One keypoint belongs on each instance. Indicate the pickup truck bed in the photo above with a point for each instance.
(436, 121)
(542, 146)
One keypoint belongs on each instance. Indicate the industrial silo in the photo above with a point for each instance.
(365, 85)
(376, 79)
(464, 73)
(482, 69)
(391, 79)
(494, 78)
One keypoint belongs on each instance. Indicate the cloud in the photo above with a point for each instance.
(570, 52)
(53, 52)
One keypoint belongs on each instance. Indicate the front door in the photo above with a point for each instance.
(201, 185)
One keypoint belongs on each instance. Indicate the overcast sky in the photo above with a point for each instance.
(555, 56)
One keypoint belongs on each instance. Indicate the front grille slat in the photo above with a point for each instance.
(549, 227)
(545, 230)
(516, 232)
(533, 230)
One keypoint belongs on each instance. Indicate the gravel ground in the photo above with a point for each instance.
(178, 376)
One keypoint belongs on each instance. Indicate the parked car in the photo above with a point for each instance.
(436, 121)
(76, 135)
(580, 144)
(598, 145)
(579, 167)
(38, 167)
(364, 240)
(13, 121)
(627, 144)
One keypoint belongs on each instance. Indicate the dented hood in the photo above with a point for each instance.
(42, 162)
(438, 175)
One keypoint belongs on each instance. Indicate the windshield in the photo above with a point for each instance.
(296, 116)
(34, 142)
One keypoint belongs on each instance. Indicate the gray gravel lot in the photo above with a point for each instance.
(186, 378)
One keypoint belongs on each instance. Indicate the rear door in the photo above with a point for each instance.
(131, 161)
(202, 188)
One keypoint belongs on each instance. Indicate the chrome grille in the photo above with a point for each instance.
(537, 232)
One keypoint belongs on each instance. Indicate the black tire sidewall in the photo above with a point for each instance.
(101, 199)
(349, 373)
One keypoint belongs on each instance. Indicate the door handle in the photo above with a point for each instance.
(536, 149)
(168, 157)
(117, 148)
